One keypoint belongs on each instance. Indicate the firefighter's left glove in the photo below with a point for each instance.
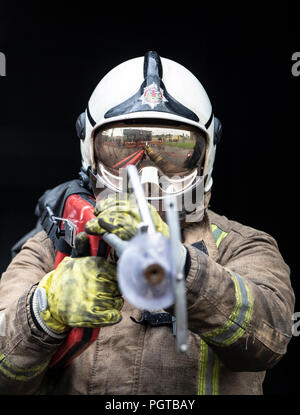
(80, 292)
(120, 215)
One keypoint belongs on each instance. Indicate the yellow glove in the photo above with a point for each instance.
(120, 215)
(80, 292)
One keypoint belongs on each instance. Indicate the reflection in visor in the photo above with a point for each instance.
(172, 151)
(132, 159)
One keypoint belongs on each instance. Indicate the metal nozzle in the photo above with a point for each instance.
(154, 274)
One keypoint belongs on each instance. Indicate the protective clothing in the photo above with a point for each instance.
(120, 215)
(239, 296)
(80, 292)
(240, 306)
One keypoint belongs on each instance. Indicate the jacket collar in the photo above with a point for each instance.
(199, 231)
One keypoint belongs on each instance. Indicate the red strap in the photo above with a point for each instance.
(79, 339)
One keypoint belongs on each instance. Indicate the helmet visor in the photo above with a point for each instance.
(174, 151)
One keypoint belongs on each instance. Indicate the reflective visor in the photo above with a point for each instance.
(173, 151)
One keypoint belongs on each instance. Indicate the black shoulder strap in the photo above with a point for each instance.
(52, 202)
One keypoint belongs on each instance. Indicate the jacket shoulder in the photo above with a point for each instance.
(38, 251)
(42, 238)
(35, 259)
(238, 231)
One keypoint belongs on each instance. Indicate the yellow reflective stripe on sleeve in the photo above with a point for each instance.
(215, 379)
(202, 367)
(208, 378)
(234, 328)
(239, 318)
(241, 315)
(218, 234)
(20, 374)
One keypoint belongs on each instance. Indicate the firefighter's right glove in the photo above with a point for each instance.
(80, 292)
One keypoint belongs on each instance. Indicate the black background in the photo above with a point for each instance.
(242, 56)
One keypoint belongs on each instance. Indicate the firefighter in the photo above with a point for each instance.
(239, 296)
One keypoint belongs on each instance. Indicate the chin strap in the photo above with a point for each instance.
(85, 178)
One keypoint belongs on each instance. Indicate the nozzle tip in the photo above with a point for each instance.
(154, 274)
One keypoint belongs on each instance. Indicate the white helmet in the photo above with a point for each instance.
(125, 94)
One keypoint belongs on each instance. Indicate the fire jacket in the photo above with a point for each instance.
(240, 304)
